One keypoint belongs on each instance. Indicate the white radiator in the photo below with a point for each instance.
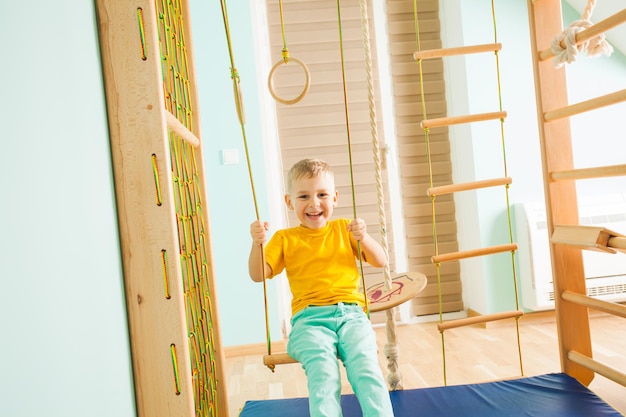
(605, 273)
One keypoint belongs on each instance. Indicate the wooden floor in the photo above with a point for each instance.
(473, 354)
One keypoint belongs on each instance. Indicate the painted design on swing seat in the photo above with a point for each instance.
(403, 288)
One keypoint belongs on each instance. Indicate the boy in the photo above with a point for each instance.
(328, 321)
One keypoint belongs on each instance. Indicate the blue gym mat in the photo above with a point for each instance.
(550, 395)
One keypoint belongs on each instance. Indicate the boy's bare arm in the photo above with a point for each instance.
(255, 263)
(371, 250)
(258, 231)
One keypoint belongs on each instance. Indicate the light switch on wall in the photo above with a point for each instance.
(230, 156)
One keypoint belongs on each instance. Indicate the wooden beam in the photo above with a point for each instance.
(139, 147)
(460, 50)
(466, 186)
(455, 120)
(586, 173)
(181, 130)
(278, 359)
(598, 367)
(545, 20)
(594, 303)
(618, 243)
(485, 318)
(584, 237)
(455, 256)
(585, 106)
(141, 132)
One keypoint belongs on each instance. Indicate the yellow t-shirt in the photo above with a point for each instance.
(320, 264)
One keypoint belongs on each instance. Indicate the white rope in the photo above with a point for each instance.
(391, 350)
(593, 47)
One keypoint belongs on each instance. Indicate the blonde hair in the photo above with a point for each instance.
(307, 168)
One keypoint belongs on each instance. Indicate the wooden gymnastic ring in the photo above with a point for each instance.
(270, 81)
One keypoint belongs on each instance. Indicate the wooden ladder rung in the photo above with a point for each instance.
(181, 130)
(485, 318)
(476, 185)
(591, 32)
(456, 120)
(618, 243)
(278, 359)
(586, 173)
(454, 256)
(597, 367)
(585, 106)
(584, 237)
(459, 50)
(594, 303)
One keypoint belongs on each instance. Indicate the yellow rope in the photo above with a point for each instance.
(239, 104)
(431, 184)
(345, 102)
(508, 205)
(285, 51)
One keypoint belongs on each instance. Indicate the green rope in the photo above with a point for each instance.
(345, 102)
(239, 104)
(431, 184)
(285, 51)
(508, 205)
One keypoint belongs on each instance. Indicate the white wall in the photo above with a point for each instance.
(64, 348)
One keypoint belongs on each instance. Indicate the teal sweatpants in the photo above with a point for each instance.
(320, 335)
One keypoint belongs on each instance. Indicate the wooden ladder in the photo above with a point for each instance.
(568, 238)
(498, 115)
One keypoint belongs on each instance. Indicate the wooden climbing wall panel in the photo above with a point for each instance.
(162, 207)
(560, 173)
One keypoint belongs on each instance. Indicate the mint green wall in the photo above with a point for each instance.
(64, 347)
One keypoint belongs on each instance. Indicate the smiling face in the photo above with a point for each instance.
(313, 199)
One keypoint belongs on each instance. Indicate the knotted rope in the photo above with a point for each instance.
(565, 47)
